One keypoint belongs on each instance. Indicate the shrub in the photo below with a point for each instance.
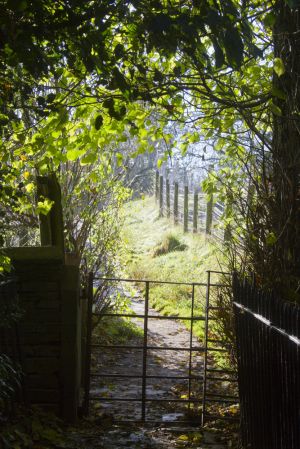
(10, 371)
(10, 380)
(169, 243)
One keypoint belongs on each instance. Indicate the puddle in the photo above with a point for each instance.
(173, 417)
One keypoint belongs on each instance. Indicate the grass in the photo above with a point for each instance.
(169, 243)
(117, 330)
(151, 254)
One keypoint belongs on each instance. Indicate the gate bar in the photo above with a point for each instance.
(215, 373)
(157, 317)
(151, 281)
(221, 379)
(191, 345)
(160, 348)
(224, 371)
(145, 349)
(103, 399)
(206, 345)
(132, 376)
(87, 379)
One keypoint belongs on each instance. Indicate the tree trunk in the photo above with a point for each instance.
(286, 151)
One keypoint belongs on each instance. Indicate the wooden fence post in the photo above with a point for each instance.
(195, 213)
(186, 209)
(175, 202)
(161, 196)
(156, 185)
(44, 220)
(209, 215)
(51, 225)
(168, 197)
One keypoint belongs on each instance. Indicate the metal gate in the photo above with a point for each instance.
(197, 404)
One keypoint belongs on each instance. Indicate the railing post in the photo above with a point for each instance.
(186, 209)
(209, 215)
(176, 203)
(168, 197)
(87, 379)
(161, 196)
(195, 213)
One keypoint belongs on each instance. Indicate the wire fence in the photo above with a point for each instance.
(268, 344)
(16, 234)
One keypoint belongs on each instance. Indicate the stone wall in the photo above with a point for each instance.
(50, 328)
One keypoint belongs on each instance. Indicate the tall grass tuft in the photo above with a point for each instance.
(169, 244)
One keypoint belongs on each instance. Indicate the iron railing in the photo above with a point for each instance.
(268, 342)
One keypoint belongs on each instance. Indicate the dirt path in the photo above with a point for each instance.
(164, 364)
(109, 436)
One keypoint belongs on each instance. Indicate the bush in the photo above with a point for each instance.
(10, 380)
(10, 371)
(169, 243)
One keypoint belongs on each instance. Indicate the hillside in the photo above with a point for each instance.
(186, 258)
(144, 232)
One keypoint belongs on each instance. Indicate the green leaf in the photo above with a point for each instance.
(88, 159)
(270, 19)
(271, 239)
(195, 138)
(120, 79)
(4, 119)
(119, 158)
(51, 97)
(108, 103)
(278, 67)
(219, 55)
(183, 438)
(278, 93)
(72, 155)
(30, 187)
(256, 51)
(234, 47)
(119, 51)
(98, 122)
(275, 109)
(44, 207)
(158, 76)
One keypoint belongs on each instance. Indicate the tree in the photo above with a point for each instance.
(228, 66)
(285, 149)
(260, 94)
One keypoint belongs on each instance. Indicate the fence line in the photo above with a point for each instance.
(188, 207)
(268, 345)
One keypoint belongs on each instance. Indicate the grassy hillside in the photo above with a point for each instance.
(157, 250)
(144, 231)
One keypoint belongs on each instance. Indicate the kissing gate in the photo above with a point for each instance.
(159, 372)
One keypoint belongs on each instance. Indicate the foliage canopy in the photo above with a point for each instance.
(76, 76)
